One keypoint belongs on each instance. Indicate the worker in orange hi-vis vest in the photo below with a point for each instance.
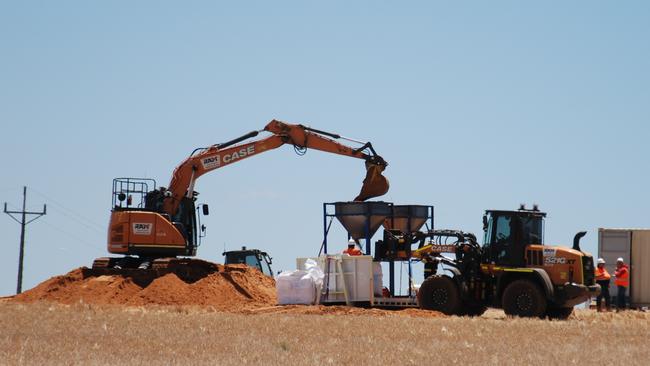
(352, 248)
(602, 278)
(622, 282)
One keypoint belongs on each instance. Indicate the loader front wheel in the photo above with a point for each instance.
(524, 298)
(440, 293)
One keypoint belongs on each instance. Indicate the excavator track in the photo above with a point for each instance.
(188, 270)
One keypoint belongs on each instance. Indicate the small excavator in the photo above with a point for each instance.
(254, 258)
(152, 227)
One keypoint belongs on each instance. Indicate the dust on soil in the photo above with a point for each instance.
(233, 288)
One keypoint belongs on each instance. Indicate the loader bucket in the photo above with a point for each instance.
(375, 184)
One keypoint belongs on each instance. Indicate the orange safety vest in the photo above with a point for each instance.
(622, 276)
(352, 251)
(602, 274)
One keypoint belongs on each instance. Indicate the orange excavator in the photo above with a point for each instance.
(153, 226)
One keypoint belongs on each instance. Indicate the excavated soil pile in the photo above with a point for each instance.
(232, 287)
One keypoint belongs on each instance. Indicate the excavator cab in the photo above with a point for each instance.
(139, 225)
(251, 257)
(507, 233)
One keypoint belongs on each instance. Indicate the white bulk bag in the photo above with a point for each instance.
(300, 287)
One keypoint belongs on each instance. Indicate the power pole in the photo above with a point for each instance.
(23, 222)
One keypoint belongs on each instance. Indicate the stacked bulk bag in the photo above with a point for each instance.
(300, 286)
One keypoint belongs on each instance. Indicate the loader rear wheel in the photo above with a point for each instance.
(559, 313)
(440, 293)
(524, 298)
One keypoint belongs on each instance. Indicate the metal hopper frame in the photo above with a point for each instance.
(416, 216)
(383, 209)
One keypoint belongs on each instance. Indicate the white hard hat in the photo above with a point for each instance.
(620, 259)
(601, 261)
(351, 242)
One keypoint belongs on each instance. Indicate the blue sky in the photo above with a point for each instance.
(475, 105)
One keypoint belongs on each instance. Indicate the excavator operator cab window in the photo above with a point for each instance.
(251, 259)
(257, 261)
(185, 222)
(265, 262)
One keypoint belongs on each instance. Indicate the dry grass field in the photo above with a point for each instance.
(44, 333)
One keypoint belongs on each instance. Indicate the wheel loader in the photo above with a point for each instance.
(513, 270)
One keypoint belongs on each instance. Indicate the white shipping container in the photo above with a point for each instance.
(633, 245)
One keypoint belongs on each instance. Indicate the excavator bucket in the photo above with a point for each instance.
(375, 184)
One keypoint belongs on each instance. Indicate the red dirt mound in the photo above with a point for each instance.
(233, 287)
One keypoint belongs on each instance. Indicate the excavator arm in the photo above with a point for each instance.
(202, 161)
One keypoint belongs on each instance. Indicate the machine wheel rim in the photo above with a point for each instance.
(524, 301)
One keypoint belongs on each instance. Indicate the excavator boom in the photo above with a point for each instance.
(301, 137)
(374, 184)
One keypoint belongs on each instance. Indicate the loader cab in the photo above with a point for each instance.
(251, 257)
(507, 233)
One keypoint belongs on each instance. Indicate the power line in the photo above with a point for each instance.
(72, 213)
(8, 189)
(89, 227)
(23, 222)
(73, 236)
(73, 216)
